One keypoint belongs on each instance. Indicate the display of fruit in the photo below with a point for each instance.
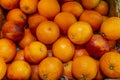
(58, 40)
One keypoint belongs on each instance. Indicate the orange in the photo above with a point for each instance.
(90, 4)
(110, 28)
(34, 73)
(8, 4)
(50, 68)
(110, 64)
(64, 21)
(19, 70)
(48, 8)
(63, 49)
(84, 68)
(73, 7)
(67, 70)
(76, 31)
(3, 68)
(102, 7)
(19, 55)
(7, 49)
(35, 52)
(47, 32)
(28, 6)
(27, 38)
(93, 18)
(80, 52)
(17, 16)
(34, 20)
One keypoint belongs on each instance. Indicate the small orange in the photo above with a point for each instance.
(34, 73)
(34, 20)
(27, 38)
(17, 16)
(110, 28)
(3, 68)
(102, 7)
(111, 44)
(63, 49)
(93, 18)
(48, 8)
(28, 6)
(50, 68)
(89, 4)
(47, 32)
(84, 68)
(8, 4)
(68, 70)
(7, 49)
(64, 21)
(19, 55)
(19, 70)
(110, 64)
(80, 52)
(76, 31)
(35, 52)
(73, 7)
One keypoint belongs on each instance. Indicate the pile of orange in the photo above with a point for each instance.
(47, 39)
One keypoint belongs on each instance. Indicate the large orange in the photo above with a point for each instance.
(50, 68)
(102, 7)
(17, 16)
(34, 20)
(19, 70)
(63, 49)
(8, 4)
(65, 20)
(110, 28)
(3, 68)
(84, 68)
(48, 8)
(28, 6)
(68, 70)
(76, 31)
(110, 64)
(47, 32)
(73, 7)
(90, 4)
(7, 49)
(35, 52)
(93, 18)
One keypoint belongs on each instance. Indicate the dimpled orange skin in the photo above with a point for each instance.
(110, 28)
(63, 49)
(73, 7)
(76, 31)
(50, 68)
(53, 5)
(7, 49)
(47, 32)
(84, 68)
(28, 6)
